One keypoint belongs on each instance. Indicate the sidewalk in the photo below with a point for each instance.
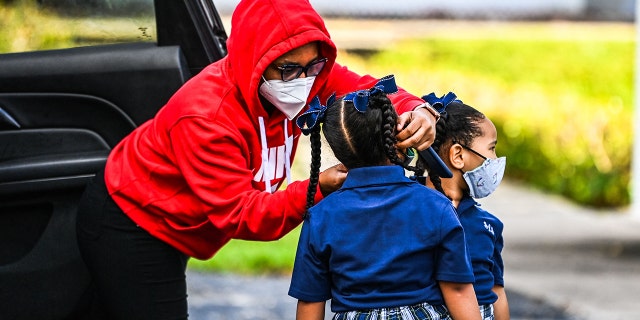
(584, 261)
(562, 262)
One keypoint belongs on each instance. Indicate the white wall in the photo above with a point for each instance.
(454, 8)
(457, 8)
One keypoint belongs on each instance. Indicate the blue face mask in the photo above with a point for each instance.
(486, 178)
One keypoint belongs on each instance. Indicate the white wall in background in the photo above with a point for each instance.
(416, 7)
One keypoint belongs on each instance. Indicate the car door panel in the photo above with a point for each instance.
(61, 112)
(131, 76)
(65, 109)
(58, 139)
(43, 260)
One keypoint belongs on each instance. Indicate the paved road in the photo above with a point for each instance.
(215, 296)
(562, 262)
(584, 261)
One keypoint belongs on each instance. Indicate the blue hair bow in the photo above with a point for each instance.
(440, 104)
(360, 98)
(314, 115)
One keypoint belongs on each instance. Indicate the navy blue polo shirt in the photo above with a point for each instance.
(382, 240)
(484, 241)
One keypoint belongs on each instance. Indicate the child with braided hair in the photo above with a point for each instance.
(466, 141)
(382, 246)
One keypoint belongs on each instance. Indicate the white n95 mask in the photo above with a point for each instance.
(483, 180)
(288, 96)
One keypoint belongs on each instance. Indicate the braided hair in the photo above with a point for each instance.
(459, 123)
(357, 139)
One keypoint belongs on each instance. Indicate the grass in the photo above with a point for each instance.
(252, 257)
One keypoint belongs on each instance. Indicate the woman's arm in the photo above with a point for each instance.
(501, 306)
(310, 310)
(460, 300)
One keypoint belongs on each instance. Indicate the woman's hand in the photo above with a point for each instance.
(332, 178)
(416, 129)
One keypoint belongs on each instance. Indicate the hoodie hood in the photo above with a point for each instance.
(262, 31)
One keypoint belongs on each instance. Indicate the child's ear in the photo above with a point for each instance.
(455, 156)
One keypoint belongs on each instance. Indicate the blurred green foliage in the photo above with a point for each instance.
(26, 25)
(563, 108)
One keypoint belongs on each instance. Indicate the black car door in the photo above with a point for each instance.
(61, 112)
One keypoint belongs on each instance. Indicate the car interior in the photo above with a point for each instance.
(61, 112)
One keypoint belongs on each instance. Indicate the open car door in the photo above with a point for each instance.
(61, 112)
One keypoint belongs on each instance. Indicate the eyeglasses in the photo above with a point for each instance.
(290, 72)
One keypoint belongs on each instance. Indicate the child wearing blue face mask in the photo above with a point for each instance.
(382, 246)
(466, 141)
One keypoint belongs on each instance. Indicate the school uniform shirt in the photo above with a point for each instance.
(382, 240)
(206, 168)
(484, 241)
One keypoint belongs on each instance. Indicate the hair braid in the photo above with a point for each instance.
(441, 137)
(388, 126)
(389, 121)
(314, 173)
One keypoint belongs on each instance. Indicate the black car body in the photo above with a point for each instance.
(61, 112)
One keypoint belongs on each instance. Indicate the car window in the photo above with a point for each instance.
(30, 25)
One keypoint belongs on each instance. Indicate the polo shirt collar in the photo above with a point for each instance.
(366, 176)
(465, 204)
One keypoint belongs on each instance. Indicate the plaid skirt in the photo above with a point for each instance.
(486, 311)
(422, 311)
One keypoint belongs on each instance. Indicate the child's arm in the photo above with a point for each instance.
(501, 306)
(310, 310)
(460, 299)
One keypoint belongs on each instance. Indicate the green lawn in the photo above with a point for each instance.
(252, 257)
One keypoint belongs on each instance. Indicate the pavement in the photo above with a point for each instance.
(583, 261)
(562, 262)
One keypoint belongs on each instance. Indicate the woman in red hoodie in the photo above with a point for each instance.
(208, 166)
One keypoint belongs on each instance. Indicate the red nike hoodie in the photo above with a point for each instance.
(208, 166)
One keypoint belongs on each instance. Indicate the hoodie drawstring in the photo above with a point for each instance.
(265, 156)
(288, 146)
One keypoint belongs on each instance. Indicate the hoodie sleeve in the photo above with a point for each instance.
(213, 160)
(342, 81)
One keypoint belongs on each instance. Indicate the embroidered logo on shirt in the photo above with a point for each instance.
(489, 228)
